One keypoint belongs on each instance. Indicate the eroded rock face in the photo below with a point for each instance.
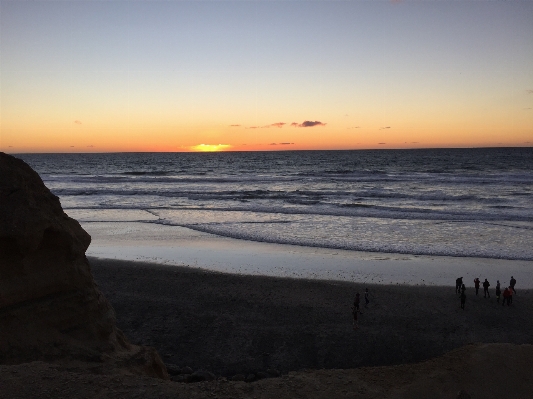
(50, 306)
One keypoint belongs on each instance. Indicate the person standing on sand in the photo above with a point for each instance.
(356, 302)
(498, 291)
(354, 314)
(463, 299)
(463, 288)
(458, 284)
(512, 283)
(476, 284)
(486, 286)
(505, 296)
(367, 301)
(510, 299)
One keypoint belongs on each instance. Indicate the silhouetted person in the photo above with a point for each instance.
(498, 291)
(463, 300)
(476, 284)
(355, 311)
(463, 288)
(356, 302)
(486, 286)
(458, 284)
(510, 300)
(505, 296)
(367, 301)
(512, 283)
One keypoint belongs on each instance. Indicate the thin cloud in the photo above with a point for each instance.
(286, 143)
(234, 125)
(385, 127)
(382, 143)
(77, 122)
(253, 127)
(355, 127)
(308, 124)
(278, 124)
(273, 144)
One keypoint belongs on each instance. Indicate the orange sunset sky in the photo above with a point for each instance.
(86, 76)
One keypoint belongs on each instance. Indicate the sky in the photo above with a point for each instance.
(101, 76)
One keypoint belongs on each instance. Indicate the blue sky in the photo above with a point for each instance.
(186, 70)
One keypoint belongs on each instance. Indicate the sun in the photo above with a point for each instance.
(210, 147)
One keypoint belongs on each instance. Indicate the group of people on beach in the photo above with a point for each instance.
(355, 308)
(508, 292)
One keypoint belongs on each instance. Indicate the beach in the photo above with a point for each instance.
(233, 324)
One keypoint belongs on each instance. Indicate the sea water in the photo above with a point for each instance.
(455, 202)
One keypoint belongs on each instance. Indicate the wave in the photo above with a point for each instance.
(380, 247)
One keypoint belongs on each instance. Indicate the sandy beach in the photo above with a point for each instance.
(233, 324)
(237, 326)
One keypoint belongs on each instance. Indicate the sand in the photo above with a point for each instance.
(229, 324)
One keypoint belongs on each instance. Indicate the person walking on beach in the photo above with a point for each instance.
(458, 284)
(498, 291)
(463, 299)
(354, 314)
(356, 311)
(367, 301)
(463, 288)
(476, 284)
(505, 296)
(510, 299)
(486, 286)
(512, 283)
(356, 302)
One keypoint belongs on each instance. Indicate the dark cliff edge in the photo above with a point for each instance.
(50, 306)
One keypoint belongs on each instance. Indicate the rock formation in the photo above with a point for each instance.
(50, 306)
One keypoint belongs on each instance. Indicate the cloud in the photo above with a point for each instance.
(385, 127)
(278, 124)
(286, 143)
(90, 146)
(311, 124)
(382, 143)
(355, 127)
(77, 122)
(307, 124)
(253, 127)
(234, 125)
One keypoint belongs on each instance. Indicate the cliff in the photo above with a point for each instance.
(50, 306)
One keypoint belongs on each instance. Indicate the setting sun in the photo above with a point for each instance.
(210, 147)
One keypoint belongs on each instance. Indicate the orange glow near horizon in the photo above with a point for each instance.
(210, 147)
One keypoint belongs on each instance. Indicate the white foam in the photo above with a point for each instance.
(172, 245)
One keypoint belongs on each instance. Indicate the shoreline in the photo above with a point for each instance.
(232, 324)
(179, 246)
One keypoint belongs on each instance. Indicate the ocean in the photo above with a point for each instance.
(454, 202)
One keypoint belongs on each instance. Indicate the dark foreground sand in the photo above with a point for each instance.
(229, 324)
